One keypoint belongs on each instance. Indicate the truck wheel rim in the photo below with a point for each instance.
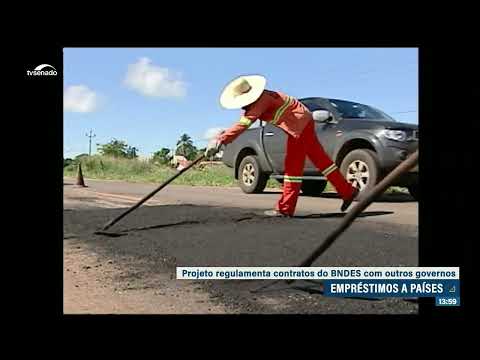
(358, 174)
(248, 174)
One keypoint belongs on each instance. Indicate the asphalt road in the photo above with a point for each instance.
(210, 226)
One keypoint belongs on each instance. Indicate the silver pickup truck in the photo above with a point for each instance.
(363, 141)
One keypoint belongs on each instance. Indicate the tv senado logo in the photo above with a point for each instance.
(42, 70)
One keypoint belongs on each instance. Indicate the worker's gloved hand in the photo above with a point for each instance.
(213, 147)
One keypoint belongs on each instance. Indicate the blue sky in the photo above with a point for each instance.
(150, 96)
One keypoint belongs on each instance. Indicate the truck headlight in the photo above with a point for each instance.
(397, 135)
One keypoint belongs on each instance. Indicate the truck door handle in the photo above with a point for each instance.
(269, 134)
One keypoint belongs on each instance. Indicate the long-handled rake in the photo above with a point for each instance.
(140, 202)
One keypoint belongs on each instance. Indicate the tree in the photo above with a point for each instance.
(132, 152)
(67, 162)
(115, 148)
(79, 158)
(185, 147)
(162, 156)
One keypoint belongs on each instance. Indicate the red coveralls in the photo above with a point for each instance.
(296, 120)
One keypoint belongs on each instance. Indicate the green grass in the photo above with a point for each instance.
(134, 170)
(101, 167)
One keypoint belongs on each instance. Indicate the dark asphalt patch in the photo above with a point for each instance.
(219, 236)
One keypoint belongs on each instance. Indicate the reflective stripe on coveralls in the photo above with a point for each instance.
(329, 169)
(293, 179)
(281, 110)
(245, 121)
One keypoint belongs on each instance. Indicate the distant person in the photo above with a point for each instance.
(249, 93)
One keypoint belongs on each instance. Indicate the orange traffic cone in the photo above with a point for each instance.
(80, 182)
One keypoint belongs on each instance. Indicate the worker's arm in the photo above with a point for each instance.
(235, 130)
(253, 113)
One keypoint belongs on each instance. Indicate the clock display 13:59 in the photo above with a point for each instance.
(447, 301)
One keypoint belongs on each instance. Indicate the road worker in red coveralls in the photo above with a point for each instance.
(286, 112)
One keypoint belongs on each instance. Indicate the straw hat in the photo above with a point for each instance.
(242, 91)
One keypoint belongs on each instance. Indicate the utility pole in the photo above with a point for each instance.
(90, 142)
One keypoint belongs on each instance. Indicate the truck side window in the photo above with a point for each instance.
(314, 105)
(321, 104)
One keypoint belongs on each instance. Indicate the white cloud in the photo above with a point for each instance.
(79, 98)
(152, 80)
(212, 133)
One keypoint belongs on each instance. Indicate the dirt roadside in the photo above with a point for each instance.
(95, 285)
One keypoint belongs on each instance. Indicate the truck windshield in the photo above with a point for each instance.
(352, 110)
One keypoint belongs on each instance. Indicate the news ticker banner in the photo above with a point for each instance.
(442, 283)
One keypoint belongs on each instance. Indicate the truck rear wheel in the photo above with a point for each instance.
(313, 188)
(250, 177)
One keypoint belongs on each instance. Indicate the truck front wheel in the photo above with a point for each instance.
(250, 177)
(360, 168)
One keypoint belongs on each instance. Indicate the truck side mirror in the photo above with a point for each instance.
(322, 115)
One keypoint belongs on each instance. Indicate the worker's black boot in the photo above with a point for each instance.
(347, 203)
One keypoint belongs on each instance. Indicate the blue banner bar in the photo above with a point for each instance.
(443, 290)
